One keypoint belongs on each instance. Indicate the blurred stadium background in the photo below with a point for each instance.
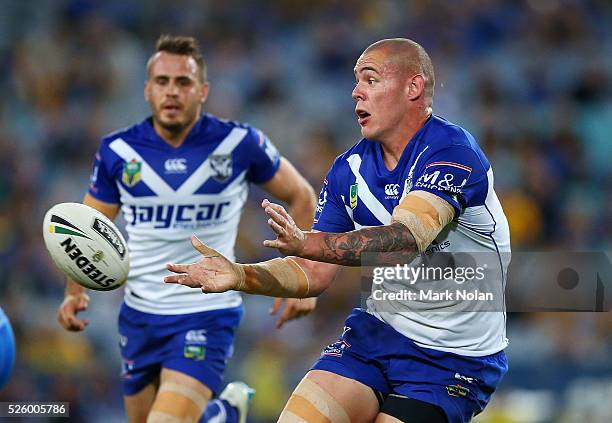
(531, 79)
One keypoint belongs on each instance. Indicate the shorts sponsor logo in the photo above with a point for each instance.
(195, 344)
(457, 391)
(197, 336)
(464, 378)
(336, 349)
(195, 352)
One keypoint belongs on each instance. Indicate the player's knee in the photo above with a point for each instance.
(177, 403)
(161, 417)
(311, 403)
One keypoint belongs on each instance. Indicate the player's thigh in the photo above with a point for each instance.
(137, 406)
(323, 397)
(180, 398)
(385, 418)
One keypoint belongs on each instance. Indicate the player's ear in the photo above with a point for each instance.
(416, 86)
(147, 90)
(204, 92)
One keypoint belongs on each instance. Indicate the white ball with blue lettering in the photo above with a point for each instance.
(86, 246)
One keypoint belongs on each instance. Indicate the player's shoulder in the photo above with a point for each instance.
(215, 124)
(446, 136)
(140, 130)
(443, 133)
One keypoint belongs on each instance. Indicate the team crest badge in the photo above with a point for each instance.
(131, 173)
(221, 165)
(353, 196)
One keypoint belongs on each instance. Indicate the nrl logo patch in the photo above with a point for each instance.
(131, 173)
(353, 197)
(221, 165)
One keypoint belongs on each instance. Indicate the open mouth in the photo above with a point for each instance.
(172, 107)
(362, 116)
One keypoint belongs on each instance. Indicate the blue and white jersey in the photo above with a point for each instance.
(445, 160)
(167, 194)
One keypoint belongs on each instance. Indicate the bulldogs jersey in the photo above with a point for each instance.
(445, 160)
(167, 194)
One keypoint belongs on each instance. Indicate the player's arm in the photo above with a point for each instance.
(289, 186)
(289, 277)
(75, 296)
(415, 223)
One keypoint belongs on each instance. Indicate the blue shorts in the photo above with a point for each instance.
(373, 353)
(196, 344)
(7, 349)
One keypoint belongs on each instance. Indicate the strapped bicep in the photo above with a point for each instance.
(424, 214)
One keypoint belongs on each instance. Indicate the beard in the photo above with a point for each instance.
(175, 127)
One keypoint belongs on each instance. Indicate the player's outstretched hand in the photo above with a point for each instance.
(213, 273)
(289, 238)
(294, 308)
(66, 315)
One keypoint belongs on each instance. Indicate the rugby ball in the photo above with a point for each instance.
(86, 246)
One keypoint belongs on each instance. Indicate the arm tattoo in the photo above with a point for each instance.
(393, 242)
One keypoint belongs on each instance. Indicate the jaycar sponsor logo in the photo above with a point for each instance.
(186, 216)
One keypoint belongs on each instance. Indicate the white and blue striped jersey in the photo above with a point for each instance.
(445, 160)
(167, 194)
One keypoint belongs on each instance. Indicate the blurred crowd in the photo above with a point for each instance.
(530, 79)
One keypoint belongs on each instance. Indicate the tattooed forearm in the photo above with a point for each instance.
(392, 242)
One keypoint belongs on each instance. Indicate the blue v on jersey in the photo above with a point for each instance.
(167, 194)
(445, 160)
